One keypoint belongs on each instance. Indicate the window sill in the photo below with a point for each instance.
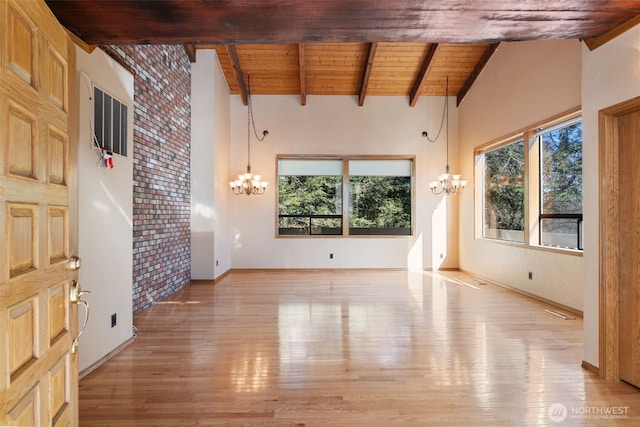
(562, 251)
(340, 236)
(572, 252)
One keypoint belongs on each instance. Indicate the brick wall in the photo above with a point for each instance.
(161, 176)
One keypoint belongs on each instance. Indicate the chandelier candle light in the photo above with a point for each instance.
(447, 183)
(247, 183)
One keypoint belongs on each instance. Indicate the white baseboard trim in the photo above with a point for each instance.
(106, 358)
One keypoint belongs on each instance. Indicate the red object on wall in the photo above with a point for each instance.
(107, 157)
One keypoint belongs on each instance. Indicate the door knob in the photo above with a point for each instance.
(75, 263)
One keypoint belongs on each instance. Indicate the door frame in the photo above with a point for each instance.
(609, 198)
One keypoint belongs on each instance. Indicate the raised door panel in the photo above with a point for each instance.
(22, 138)
(23, 337)
(27, 411)
(56, 77)
(58, 311)
(58, 235)
(57, 144)
(22, 238)
(22, 46)
(59, 390)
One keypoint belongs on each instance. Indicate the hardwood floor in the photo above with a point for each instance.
(352, 348)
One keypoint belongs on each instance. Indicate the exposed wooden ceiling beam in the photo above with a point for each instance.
(303, 75)
(287, 21)
(190, 49)
(367, 72)
(427, 64)
(237, 70)
(596, 42)
(484, 59)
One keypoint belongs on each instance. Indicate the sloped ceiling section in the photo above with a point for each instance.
(342, 47)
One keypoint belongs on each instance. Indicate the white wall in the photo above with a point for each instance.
(105, 215)
(336, 125)
(222, 156)
(610, 75)
(210, 129)
(524, 83)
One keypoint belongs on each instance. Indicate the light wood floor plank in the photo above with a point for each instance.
(352, 348)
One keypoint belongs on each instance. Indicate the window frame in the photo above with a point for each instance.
(537, 148)
(346, 193)
(493, 148)
(101, 130)
(532, 183)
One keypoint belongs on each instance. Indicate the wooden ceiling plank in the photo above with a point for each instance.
(303, 74)
(335, 69)
(227, 68)
(367, 72)
(397, 65)
(190, 49)
(595, 42)
(488, 53)
(422, 75)
(337, 35)
(237, 70)
(249, 21)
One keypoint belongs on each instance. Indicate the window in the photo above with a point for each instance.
(377, 192)
(532, 186)
(110, 123)
(380, 197)
(504, 192)
(309, 197)
(561, 185)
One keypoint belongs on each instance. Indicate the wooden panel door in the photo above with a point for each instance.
(629, 258)
(38, 371)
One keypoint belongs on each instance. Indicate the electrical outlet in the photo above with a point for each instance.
(114, 320)
(330, 256)
(441, 256)
(531, 275)
(216, 263)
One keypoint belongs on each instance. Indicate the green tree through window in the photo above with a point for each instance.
(553, 197)
(380, 205)
(562, 170)
(561, 186)
(303, 200)
(504, 192)
(312, 193)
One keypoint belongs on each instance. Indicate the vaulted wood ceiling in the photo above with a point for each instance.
(346, 47)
